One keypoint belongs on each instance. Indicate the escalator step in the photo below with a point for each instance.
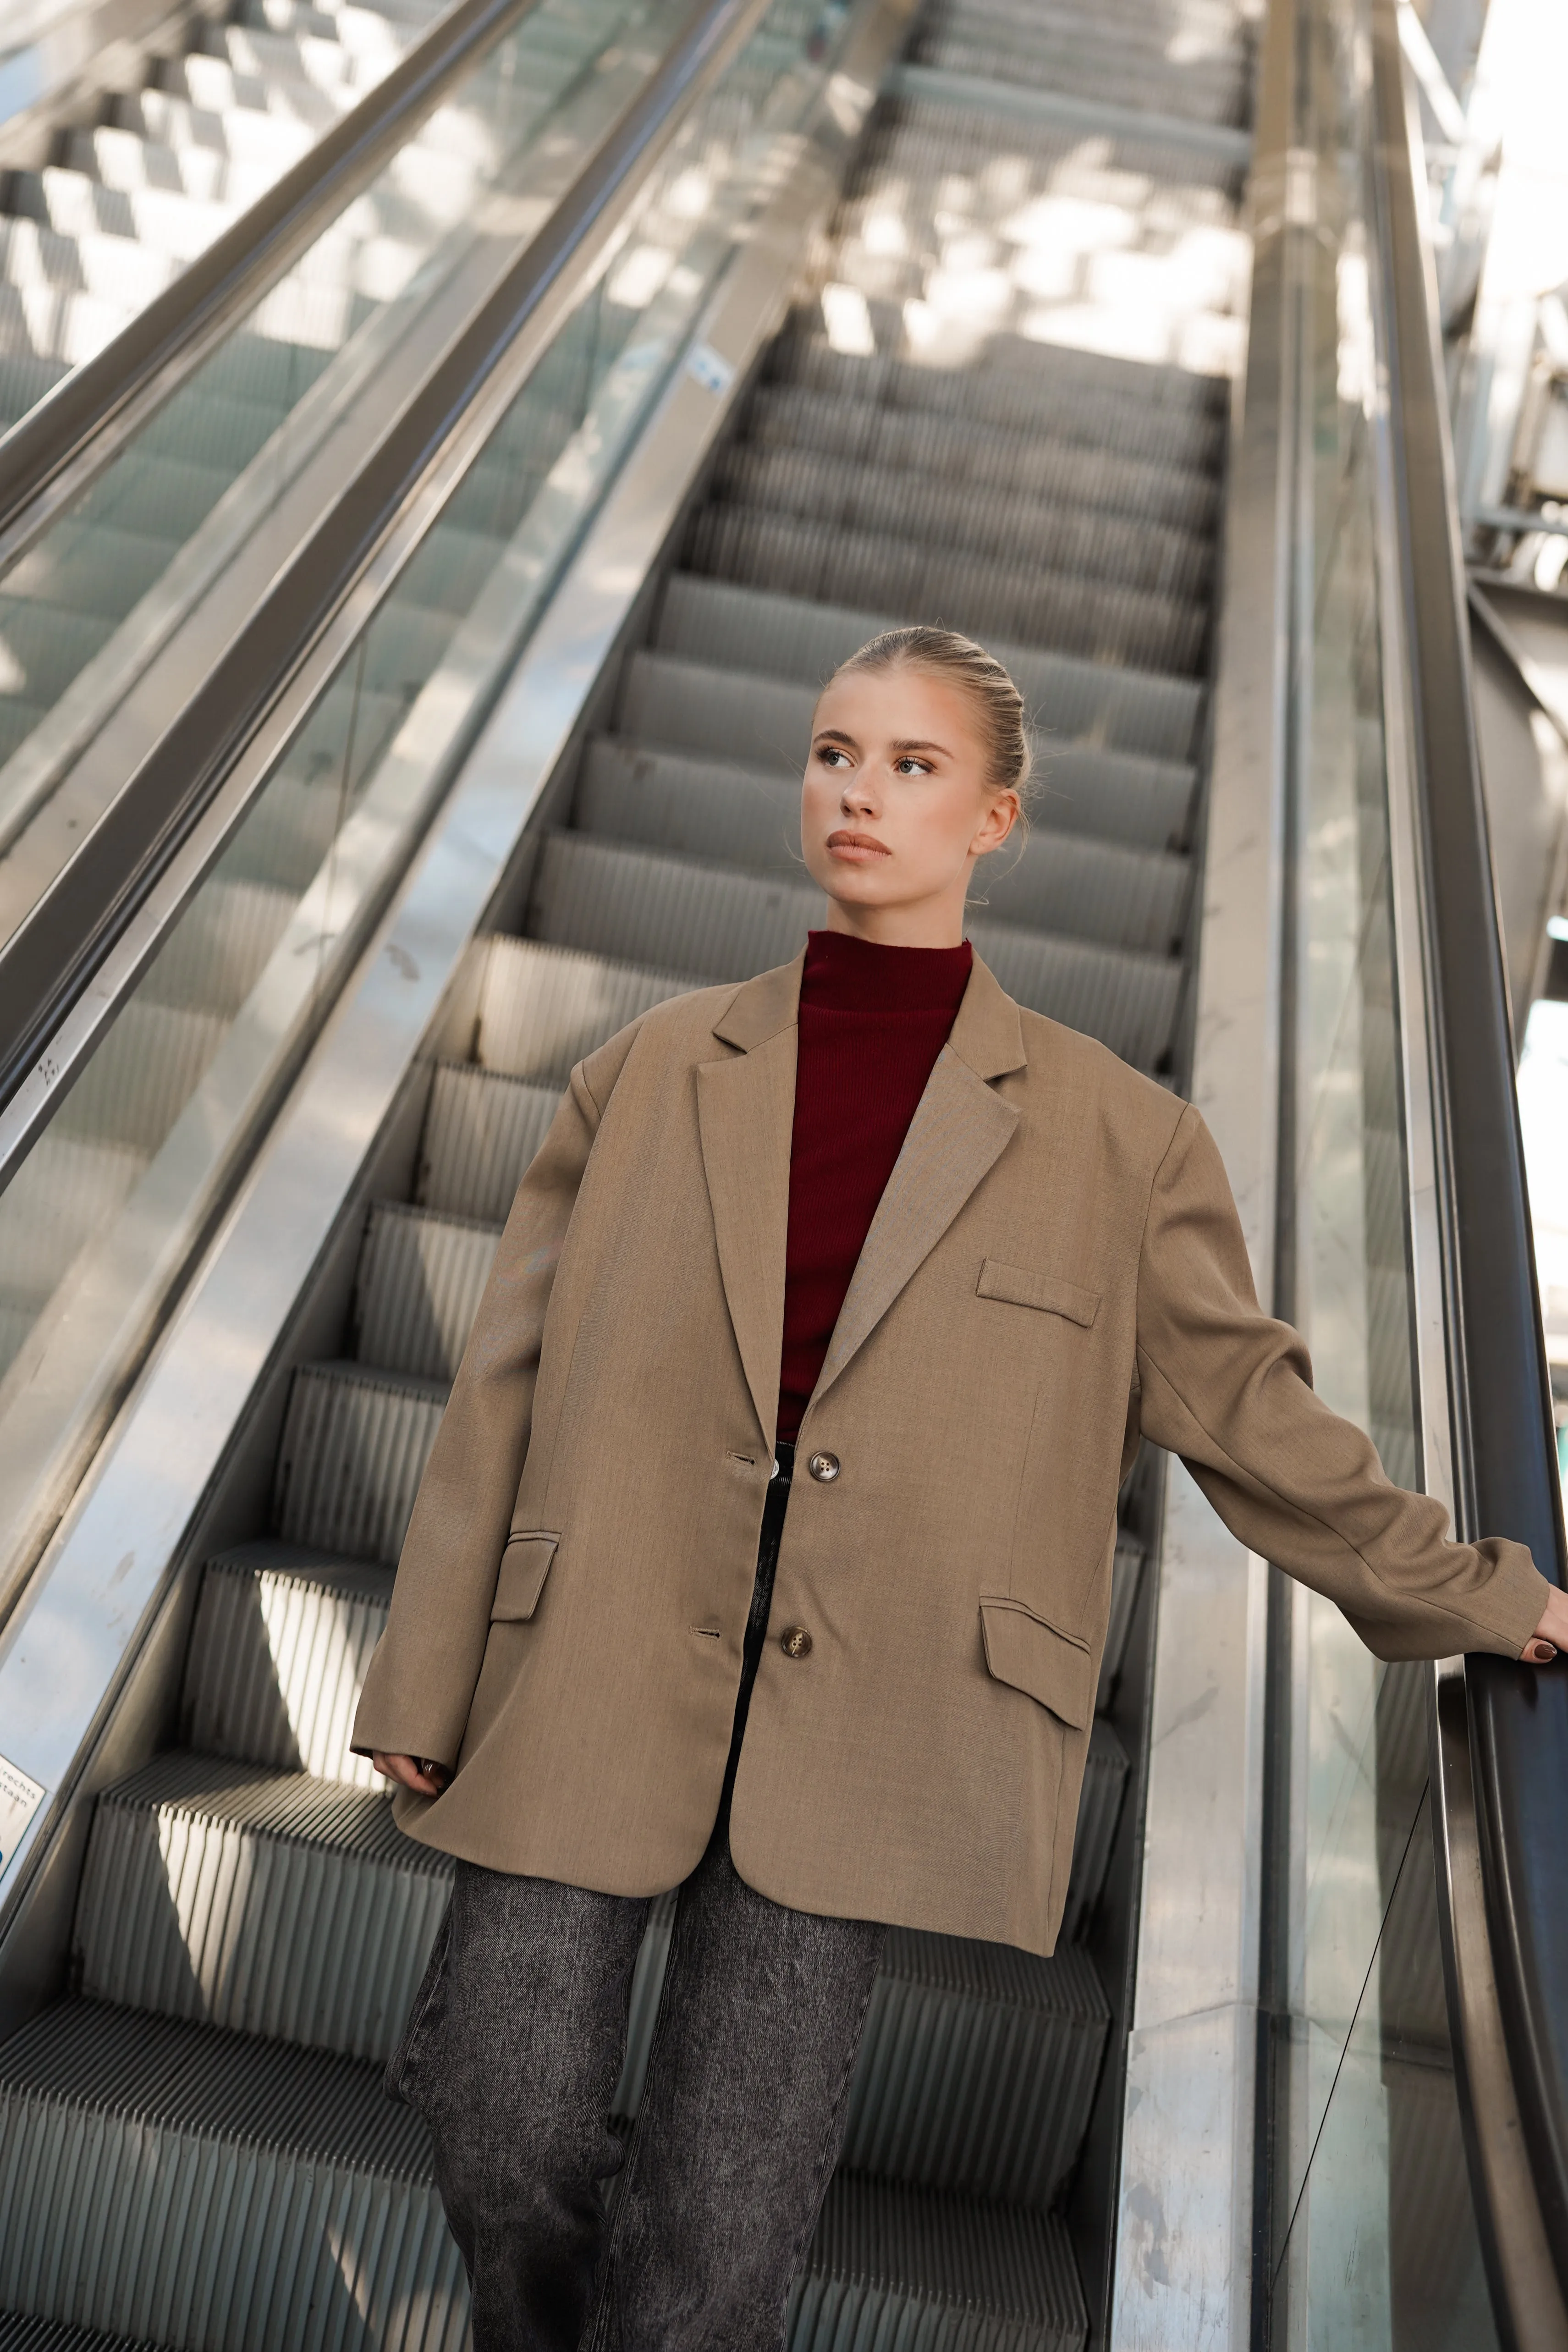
(141, 1079)
(21, 2335)
(354, 1446)
(1099, 1810)
(280, 1649)
(480, 1132)
(1008, 526)
(66, 1190)
(724, 922)
(417, 1289)
(710, 626)
(542, 1008)
(985, 599)
(599, 896)
(269, 1902)
(1012, 382)
(188, 2185)
(1126, 1569)
(741, 717)
(1121, 417)
(955, 450)
(1077, 887)
(908, 2270)
(978, 2068)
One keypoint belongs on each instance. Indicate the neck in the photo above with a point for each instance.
(934, 923)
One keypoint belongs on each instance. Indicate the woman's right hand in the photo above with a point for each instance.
(424, 1777)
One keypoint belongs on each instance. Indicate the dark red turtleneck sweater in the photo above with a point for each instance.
(872, 1022)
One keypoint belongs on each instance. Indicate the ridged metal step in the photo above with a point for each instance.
(950, 451)
(355, 1443)
(542, 1008)
(1100, 620)
(977, 2069)
(417, 1289)
(601, 897)
(280, 1649)
(275, 1904)
(1007, 524)
(1158, 415)
(191, 2186)
(742, 815)
(22, 2335)
(714, 626)
(902, 2269)
(481, 1129)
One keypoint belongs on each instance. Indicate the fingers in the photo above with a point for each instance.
(1537, 1653)
(426, 1778)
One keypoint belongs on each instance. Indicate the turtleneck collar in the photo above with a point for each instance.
(843, 974)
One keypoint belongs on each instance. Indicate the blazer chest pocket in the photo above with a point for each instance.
(1057, 1669)
(525, 1564)
(1020, 1287)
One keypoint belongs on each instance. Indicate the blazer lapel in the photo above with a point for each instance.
(960, 1130)
(746, 1112)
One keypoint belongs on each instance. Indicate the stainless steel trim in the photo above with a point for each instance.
(1185, 2206)
(932, 86)
(1527, 2293)
(68, 1646)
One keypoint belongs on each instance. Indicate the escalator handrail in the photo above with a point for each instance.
(50, 959)
(1505, 1465)
(72, 429)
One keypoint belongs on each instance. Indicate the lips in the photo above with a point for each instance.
(861, 846)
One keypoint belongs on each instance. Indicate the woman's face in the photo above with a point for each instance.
(895, 807)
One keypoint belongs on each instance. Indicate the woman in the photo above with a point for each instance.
(862, 1242)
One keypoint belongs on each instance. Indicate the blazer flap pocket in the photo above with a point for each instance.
(1021, 1287)
(1055, 1668)
(525, 1564)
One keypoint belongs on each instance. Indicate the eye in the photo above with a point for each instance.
(832, 756)
(908, 765)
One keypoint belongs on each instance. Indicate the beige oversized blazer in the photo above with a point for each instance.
(1056, 1268)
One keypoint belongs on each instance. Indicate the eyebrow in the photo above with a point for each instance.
(834, 735)
(906, 743)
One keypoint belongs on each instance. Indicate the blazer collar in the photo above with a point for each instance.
(745, 1110)
(987, 1033)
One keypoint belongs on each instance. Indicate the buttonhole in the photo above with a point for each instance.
(750, 1459)
(708, 1633)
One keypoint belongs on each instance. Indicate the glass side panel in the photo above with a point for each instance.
(103, 1215)
(88, 605)
(1375, 2237)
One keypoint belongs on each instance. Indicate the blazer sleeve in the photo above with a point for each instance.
(418, 1691)
(1230, 1390)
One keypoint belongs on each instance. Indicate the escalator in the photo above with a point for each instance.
(987, 380)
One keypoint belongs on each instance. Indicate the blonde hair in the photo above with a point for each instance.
(995, 699)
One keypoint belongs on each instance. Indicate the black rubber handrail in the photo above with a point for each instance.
(230, 277)
(51, 957)
(1505, 1460)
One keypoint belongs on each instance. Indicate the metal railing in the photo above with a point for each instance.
(1506, 1477)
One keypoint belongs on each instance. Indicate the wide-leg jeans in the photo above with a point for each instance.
(513, 2052)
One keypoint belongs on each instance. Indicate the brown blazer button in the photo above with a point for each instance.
(795, 1642)
(824, 1468)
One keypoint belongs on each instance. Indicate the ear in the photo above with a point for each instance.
(997, 824)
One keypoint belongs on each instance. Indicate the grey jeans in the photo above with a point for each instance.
(512, 2055)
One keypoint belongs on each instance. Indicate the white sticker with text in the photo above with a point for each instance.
(19, 1801)
(713, 372)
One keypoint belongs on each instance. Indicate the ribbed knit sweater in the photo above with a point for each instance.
(872, 1022)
